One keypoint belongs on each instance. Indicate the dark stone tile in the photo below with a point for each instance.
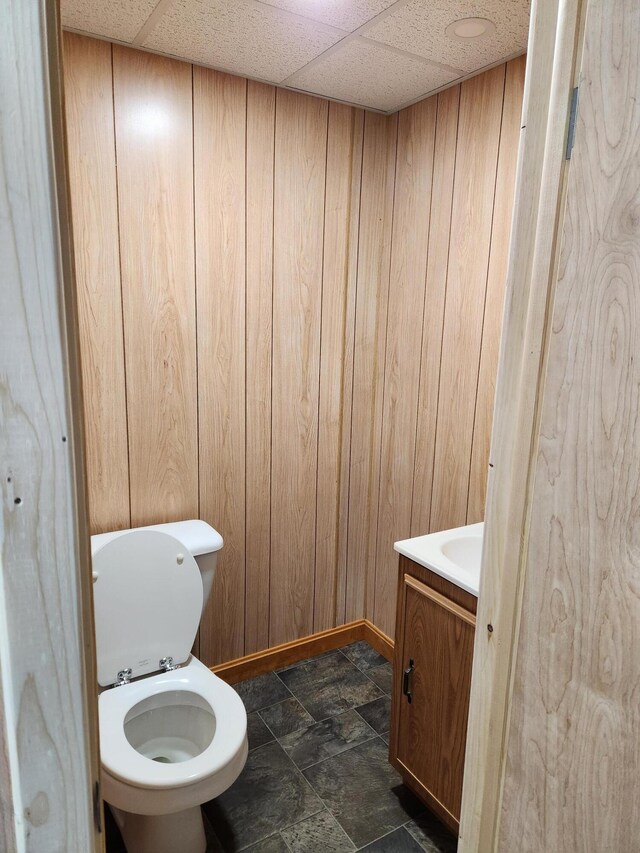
(285, 717)
(398, 841)
(432, 835)
(363, 655)
(275, 844)
(383, 676)
(329, 685)
(325, 739)
(385, 738)
(321, 832)
(262, 691)
(257, 732)
(269, 795)
(364, 792)
(377, 714)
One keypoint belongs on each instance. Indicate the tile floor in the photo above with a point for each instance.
(318, 778)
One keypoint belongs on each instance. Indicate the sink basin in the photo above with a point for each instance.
(464, 551)
(455, 554)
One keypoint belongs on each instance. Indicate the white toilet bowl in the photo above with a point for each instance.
(169, 740)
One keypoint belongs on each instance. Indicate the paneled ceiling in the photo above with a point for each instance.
(378, 54)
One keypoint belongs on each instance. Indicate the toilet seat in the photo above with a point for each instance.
(147, 597)
(122, 761)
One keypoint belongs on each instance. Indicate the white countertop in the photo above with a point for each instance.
(453, 554)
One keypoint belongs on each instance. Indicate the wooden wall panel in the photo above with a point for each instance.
(261, 112)
(496, 280)
(92, 178)
(341, 218)
(376, 213)
(409, 248)
(155, 188)
(219, 112)
(328, 381)
(476, 160)
(571, 778)
(444, 162)
(300, 155)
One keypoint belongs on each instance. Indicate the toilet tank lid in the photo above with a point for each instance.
(196, 535)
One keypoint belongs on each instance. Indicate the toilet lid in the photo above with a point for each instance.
(147, 596)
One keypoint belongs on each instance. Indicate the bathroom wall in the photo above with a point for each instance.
(290, 317)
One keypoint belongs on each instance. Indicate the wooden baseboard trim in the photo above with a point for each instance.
(289, 653)
(376, 638)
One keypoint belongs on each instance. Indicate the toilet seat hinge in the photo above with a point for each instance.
(167, 664)
(124, 677)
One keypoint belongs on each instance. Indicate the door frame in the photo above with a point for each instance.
(49, 757)
(40, 380)
(553, 66)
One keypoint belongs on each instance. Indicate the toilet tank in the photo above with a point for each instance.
(198, 537)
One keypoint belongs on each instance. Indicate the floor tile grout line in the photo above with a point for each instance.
(281, 702)
(342, 752)
(315, 814)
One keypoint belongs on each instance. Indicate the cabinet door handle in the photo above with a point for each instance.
(406, 681)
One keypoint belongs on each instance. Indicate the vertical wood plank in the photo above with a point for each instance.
(261, 104)
(444, 160)
(344, 162)
(94, 208)
(300, 154)
(476, 160)
(496, 281)
(155, 187)
(573, 747)
(410, 237)
(376, 212)
(219, 103)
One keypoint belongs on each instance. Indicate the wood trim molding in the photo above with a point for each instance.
(286, 654)
(440, 600)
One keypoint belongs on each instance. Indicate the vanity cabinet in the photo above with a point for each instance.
(435, 629)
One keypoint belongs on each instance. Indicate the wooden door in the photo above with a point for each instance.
(433, 708)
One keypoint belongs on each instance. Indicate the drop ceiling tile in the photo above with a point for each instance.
(363, 72)
(346, 14)
(241, 36)
(419, 27)
(118, 19)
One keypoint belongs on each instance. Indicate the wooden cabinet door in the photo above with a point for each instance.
(433, 704)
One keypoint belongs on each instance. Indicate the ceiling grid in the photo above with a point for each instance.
(377, 54)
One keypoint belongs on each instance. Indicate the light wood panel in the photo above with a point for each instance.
(49, 760)
(261, 113)
(444, 161)
(471, 222)
(296, 409)
(341, 219)
(554, 37)
(219, 111)
(406, 309)
(374, 251)
(92, 178)
(496, 281)
(154, 143)
(574, 733)
(300, 155)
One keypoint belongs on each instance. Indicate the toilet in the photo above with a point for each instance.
(172, 734)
